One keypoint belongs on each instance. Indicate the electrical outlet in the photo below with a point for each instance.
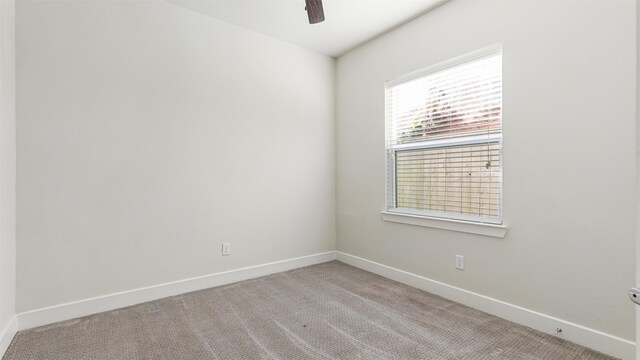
(459, 262)
(226, 249)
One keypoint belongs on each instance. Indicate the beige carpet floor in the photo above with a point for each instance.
(326, 311)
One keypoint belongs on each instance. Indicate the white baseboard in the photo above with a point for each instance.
(7, 334)
(594, 339)
(118, 300)
(597, 340)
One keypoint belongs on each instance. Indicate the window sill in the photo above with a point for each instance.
(498, 231)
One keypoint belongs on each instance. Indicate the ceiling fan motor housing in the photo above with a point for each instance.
(315, 11)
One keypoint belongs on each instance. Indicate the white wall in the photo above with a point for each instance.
(150, 134)
(569, 156)
(637, 282)
(7, 164)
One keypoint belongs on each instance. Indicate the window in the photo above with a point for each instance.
(444, 140)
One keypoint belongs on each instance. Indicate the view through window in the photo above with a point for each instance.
(444, 141)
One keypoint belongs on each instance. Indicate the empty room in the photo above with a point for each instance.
(319, 179)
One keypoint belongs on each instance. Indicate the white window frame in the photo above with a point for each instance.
(489, 226)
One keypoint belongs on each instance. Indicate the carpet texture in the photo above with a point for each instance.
(326, 311)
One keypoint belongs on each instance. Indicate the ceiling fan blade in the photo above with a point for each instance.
(315, 11)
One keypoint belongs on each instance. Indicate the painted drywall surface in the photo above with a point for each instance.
(637, 283)
(150, 134)
(7, 163)
(569, 156)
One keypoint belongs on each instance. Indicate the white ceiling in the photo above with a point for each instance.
(348, 22)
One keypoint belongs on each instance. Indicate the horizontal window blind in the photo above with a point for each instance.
(464, 180)
(444, 132)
